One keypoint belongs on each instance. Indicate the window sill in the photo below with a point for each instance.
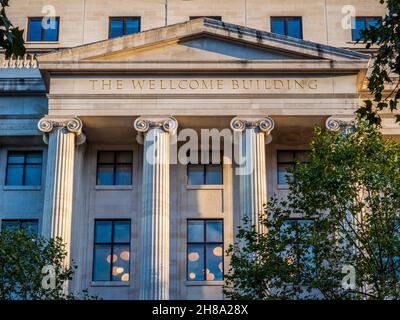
(109, 284)
(204, 283)
(43, 42)
(282, 187)
(22, 188)
(205, 187)
(121, 187)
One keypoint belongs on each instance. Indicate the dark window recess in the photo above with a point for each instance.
(287, 161)
(43, 29)
(24, 168)
(205, 250)
(219, 18)
(111, 258)
(121, 26)
(287, 26)
(114, 167)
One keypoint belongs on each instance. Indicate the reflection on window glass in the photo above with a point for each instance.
(287, 161)
(206, 173)
(121, 26)
(47, 31)
(362, 23)
(29, 226)
(114, 168)
(24, 168)
(111, 261)
(287, 26)
(205, 250)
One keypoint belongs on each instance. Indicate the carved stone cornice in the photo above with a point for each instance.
(345, 125)
(73, 125)
(168, 124)
(265, 124)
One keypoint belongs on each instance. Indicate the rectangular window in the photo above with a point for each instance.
(112, 242)
(362, 23)
(205, 173)
(46, 31)
(219, 18)
(121, 26)
(287, 161)
(24, 168)
(292, 227)
(31, 226)
(287, 26)
(114, 167)
(205, 250)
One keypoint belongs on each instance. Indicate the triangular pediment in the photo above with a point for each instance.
(201, 40)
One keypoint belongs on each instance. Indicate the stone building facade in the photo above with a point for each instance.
(93, 119)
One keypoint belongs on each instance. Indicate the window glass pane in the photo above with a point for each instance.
(120, 268)
(15, 175)
(285, 156)
(195, 174)
(34, 157)
(17, 157)
(33, 175)
(122, 231)
(102, 263)
(35, 30)
(196, 231)
(105, 174)
(302, 156)
(213, 174)
(106, 157)
(214, 268)
(132, 25)
(30, 226)
(374, 22)
(124, 157)
(195, 262)
(116, 27)
(103, 231)
(359, 26)
(283, 175)
(51, 33)
(123, 175)
(10, 225)
(294, 28)
(278, 25)
(214, 231)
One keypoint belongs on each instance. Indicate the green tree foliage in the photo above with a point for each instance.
(11, 39)
(386, 67)
(349, 197)
(22, 259)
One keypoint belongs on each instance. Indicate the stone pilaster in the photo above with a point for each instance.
(155, 255)
(252, 169)
(61, 135)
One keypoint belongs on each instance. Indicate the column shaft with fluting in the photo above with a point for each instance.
(155, 220)
(61, 136)
(252, 167)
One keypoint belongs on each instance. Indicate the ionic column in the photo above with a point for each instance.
(252, 166)
(61, 135)
(345, 125)
(155, 256)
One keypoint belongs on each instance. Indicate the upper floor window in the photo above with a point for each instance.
(24, 168)
(287, 161)
(219, 18)
(31, 226)
(47, 31)
(208, 173)
(363, 23)
(114, 168)
(121, 26)
(287, 26)
(205, 250)
(112, 242)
